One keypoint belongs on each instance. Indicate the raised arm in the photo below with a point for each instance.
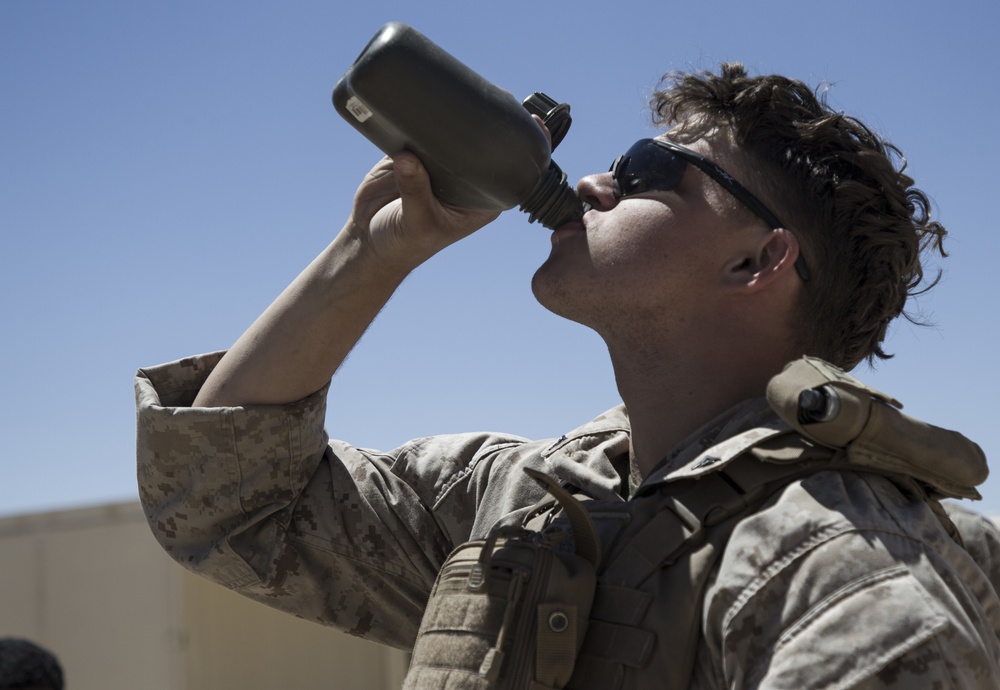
(298, 343)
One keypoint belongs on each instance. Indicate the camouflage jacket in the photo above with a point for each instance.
(838, 582)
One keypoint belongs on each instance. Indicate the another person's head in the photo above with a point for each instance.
(838, 186)
(26, 666)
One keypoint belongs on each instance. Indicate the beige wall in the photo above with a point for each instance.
(93, 586)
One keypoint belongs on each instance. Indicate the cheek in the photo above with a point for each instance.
(638, 231)
(657, 264)
(641, 244)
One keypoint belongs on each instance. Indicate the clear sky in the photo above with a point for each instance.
(167, 168)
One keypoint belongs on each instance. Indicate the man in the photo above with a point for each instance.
(26, 666)
(702, 295)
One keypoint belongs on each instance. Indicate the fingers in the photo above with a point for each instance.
(411, 177)
(420, 207)
(376, 190)
(541, 123)
(396, 210)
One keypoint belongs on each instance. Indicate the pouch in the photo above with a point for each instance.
(509, 611)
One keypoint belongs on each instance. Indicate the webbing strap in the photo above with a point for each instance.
(676, 527)
(689, 528)
(621, 604)
(623, 644)
(585, 538)
(556, 633)
(693, 505)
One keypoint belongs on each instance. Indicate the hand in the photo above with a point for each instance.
(396, 212)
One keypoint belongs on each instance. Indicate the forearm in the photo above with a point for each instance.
(298, 343)
(294, 348)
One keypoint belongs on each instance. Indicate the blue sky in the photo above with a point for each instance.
(167, 168)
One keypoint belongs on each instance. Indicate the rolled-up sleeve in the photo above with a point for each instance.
(259, 500)
(204, 473)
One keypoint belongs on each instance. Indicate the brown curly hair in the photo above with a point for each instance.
(863, 227)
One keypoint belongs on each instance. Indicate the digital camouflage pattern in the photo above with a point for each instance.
(841, 581)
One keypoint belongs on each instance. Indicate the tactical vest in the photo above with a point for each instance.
(599, 595)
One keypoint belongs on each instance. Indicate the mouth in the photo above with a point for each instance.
(572, 226)
(567, 230)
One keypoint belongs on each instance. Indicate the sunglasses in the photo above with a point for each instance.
(654, 164)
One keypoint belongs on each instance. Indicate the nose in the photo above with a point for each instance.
(598, 190)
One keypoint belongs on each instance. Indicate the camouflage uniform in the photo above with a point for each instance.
(838, 582)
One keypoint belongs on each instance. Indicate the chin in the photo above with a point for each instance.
(558, 294)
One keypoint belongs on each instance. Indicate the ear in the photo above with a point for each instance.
(768, 258)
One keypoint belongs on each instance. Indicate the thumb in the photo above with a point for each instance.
(411, 176)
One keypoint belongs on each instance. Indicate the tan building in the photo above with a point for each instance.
(93, 586)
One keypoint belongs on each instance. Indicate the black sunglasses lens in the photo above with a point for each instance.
(646, 166)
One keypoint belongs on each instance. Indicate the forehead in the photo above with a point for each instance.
(715, 142)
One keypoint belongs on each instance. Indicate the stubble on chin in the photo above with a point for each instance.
(552, 290)
(559, 293)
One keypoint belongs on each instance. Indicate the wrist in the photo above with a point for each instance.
(391, 254)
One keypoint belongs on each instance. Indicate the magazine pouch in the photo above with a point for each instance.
(509, 611)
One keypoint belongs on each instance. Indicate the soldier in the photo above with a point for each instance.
(759, 227)
(26, 666)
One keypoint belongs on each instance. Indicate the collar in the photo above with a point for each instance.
(718, 442)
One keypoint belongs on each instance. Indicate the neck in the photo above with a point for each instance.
(670, 394)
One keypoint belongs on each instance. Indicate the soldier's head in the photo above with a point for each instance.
(762, 222)
(839, 187)
(26, 666)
